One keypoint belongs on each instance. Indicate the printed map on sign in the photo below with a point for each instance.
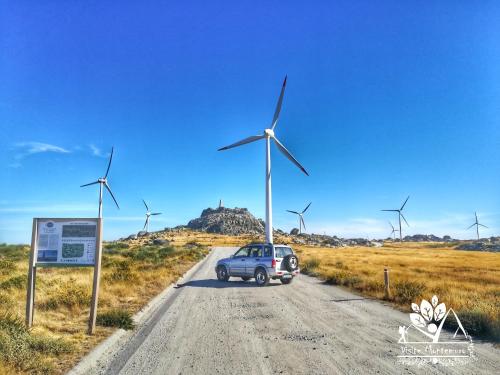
(66, 242)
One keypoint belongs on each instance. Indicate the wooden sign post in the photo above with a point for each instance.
(65, 243)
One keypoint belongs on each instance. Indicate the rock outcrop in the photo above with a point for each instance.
(230, 221)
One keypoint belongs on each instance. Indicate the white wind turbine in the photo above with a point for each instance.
(268, 135)
(148, 214)
(103, 181)
(301, 217)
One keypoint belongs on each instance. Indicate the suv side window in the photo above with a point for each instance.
(268, 251)
(243, 252)
(256, 251)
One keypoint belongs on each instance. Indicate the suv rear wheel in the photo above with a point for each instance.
(261, 277)
(222, 274)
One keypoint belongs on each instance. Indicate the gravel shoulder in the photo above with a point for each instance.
(203, 326)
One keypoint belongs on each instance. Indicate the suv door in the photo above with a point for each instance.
(255, 257)
(238, 262)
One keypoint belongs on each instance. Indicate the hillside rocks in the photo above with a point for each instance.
(487, 245)
(427, 238)
(229, 221)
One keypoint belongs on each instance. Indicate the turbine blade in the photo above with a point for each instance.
(401, 209)
(484, 226)
(471, 226)
(145, 223)
(303, 222)
(242, 142)
(294, 212)
(112, 196)
(404, 219)
(391, 210)
(143, 201)
(392, 226)
(92, 183)
(278, 106)
(156, 213)
(289, 156)
(109, 165)
(305, 209)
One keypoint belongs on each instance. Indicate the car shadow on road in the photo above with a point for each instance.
(216, 284)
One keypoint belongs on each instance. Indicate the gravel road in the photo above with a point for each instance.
(204, 326)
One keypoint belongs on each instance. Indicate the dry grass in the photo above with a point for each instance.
(134, 272)
(131, 276)
(468, 281)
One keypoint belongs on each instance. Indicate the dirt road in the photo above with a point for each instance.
(209, 327)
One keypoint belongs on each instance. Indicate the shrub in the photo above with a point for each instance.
(342, 278)
(6, 266)
(69, 295)
(121, 272)
(310, 266)
(116, 318)
(341, 265)
(24, 350)
(17, 282)
(476, 323)
(114, 247)
(14, 252)
(406, 292)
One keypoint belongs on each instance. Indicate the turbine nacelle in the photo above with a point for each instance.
(269, 133)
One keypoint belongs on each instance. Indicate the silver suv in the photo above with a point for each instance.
(262, 262)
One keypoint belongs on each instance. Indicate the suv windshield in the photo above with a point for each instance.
(282, 252)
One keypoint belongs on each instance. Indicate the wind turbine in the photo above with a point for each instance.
(394, 230)
(148, 214)
(268, 135)
(477, 224)
(103, 182)
(301, 217)
(400, 215)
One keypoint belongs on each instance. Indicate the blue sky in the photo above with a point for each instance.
(382, 101)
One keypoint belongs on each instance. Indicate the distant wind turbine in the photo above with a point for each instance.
(400, 215)
(394, 230)
(477, 224)
(148, 214)
(268, 135)
(301, 217)
(103, 182)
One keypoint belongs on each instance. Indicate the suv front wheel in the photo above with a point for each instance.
(222, 274)
(261, 277)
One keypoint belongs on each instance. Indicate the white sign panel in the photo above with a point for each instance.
(66, 241)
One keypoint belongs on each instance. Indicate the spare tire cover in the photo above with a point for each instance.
(291, 262)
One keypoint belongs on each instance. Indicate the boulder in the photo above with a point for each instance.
(229, 221)
(294, 231)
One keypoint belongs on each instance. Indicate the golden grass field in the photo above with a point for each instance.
(467, 281)
(134, 272)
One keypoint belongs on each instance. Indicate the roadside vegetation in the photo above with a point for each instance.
(468, 281)
(132, 274)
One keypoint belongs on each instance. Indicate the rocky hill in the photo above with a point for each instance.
(230, 221)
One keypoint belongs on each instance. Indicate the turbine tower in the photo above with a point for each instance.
(103, 182)
(301, 217)
(148, 214)
(400, 215)
(394, 230)
(477, 224)
(268, 135)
